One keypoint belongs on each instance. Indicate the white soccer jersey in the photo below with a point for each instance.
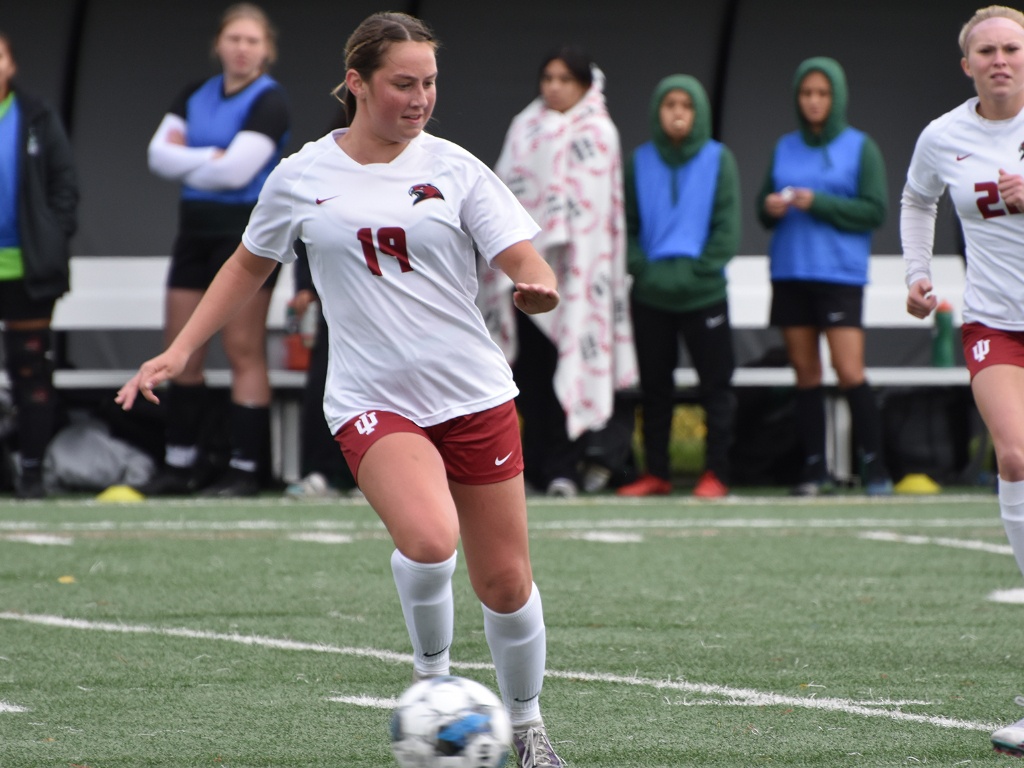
(963, 151)
(391, 251)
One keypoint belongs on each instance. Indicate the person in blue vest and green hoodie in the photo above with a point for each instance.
(823, 195)
(683, 226)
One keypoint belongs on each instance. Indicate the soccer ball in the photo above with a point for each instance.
(450, 722)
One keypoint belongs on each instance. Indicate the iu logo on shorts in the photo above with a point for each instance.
(366, 423)
(980, 350)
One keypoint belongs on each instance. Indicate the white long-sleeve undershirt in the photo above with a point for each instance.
(917, 233)
(202, 167)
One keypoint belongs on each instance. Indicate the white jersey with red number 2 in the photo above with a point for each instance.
(963, 151)
(392, 250)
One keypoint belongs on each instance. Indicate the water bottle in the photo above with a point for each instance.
(942, 336)
(296, 353)
(308, 326)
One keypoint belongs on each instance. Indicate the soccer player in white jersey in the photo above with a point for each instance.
(418, 396)
(977, 152)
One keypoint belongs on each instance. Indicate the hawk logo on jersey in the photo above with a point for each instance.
(425, 192)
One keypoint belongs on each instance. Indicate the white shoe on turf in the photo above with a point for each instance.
(312, 486)
(533, 748)
(1010, 739)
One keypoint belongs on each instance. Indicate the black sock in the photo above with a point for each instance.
(810, 427)
(186, 412)
(250, 436)
(867, 428)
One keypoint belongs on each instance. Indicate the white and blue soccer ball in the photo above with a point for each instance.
(450, 722)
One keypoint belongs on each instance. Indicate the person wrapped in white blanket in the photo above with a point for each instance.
(562, 159)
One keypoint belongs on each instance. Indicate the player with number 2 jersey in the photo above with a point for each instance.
(964, 152)
(977, 152)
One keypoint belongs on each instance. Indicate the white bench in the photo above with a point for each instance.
(118, 293)
(127, 293)
(884, 307)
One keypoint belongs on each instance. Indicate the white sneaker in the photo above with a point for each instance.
(533, 748)
(1010, 739)
(596, 478)
(312, 486)
(562, 487)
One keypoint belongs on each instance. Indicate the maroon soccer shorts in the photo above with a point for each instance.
(984, 346)
(477, 449)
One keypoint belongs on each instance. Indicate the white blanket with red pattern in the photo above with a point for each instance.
(566, 169)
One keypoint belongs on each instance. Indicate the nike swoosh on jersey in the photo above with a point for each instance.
(322, 200)
(499, 462)
(963, 157)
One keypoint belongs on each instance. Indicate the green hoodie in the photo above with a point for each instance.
(684, 284)
(851, 214)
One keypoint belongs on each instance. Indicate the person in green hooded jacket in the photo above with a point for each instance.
(683, 226)
(823, 195)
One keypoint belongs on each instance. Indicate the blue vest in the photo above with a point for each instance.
(213, 121)
(806, 248)
(675, 204)
(10, 162)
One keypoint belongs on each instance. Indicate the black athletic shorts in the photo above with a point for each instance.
(16, 304)
(197, 258)
(816, 304)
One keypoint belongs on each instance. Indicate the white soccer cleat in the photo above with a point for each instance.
(533, 748)
(1010, 739)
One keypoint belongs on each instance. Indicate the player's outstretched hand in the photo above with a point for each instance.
(151, 374)
(920, 299)
(534, 299)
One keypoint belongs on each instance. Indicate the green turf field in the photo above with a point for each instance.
(756, 631)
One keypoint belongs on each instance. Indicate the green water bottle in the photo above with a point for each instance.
(942, 336)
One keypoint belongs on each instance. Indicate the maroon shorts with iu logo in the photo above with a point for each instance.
(984, 346)
(477, 449)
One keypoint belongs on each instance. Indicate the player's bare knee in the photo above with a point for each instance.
(504, 592)
(1011, 463)
(430, 549)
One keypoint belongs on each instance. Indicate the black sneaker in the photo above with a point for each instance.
(30, 486)
(814, 481)
(876, 480)
(235, 483)
(171, 481)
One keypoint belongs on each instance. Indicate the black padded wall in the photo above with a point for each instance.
(118, 70)
(44, 39)
(492, 52)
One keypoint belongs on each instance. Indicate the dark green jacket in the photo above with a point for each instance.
(685, 284)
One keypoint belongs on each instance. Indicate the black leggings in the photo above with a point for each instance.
(708, 338)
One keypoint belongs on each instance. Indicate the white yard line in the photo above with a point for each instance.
(724, 695)
(42, 539)
(977, 546)
(6, 706)
(580, 524)
(321, 538)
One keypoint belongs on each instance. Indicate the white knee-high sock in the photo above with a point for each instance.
(425, 591)
(1011, 509)
(518, 643)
